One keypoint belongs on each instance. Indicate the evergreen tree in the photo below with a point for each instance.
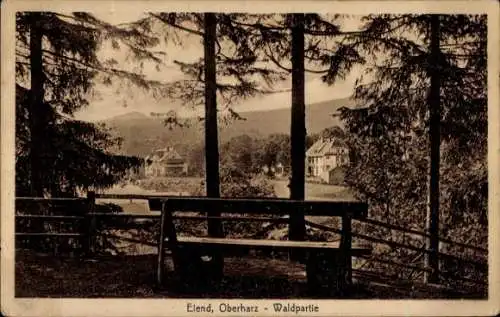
(226, 72)
(292, 38)
(57, 55)
(246, 45)
(390, 129)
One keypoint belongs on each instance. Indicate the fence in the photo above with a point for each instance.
(73, 219)
(471, 275)
(376, 266)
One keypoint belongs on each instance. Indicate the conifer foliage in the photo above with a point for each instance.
(389, 130)
(57, 67)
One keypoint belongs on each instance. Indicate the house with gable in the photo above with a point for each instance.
(326, 157)
(166, 162)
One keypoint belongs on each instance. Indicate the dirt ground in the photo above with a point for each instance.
(134, 276)
(128, 276)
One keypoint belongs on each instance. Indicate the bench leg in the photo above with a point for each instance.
(313, 271)
(326, 274)
(193, 269)
(217, 266)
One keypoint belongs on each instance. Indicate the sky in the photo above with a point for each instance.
(113, 101)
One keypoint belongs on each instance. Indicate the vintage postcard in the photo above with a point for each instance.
(250, 158)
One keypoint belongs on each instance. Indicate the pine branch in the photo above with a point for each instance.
(100, 68)
(278, 64)
(175, 25)
(260, 26)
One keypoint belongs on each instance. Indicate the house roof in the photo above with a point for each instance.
(166, 155)
(325, 146)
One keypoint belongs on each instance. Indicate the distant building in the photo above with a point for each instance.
(280, 170)
(276, 170)
(137, 171)
(166, 162)
(325, 156)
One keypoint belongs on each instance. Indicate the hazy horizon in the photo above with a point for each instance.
(200, 113)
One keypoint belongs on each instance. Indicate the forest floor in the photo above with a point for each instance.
(40, 275)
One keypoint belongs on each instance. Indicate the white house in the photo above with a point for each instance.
(165, 162)
(325, 155)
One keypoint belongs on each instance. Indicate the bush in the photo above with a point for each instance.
(337, 176)
(236, 184)
(190, 185)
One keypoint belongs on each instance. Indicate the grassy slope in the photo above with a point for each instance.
(315, 191)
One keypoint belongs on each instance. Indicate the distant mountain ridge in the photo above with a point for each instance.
(128, 116)
(142, 134)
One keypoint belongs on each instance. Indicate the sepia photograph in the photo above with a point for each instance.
(219, 156)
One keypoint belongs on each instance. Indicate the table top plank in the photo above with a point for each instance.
(277, 206)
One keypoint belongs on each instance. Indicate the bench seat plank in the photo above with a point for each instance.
(204, 242)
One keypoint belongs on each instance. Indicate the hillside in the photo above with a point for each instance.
(141, 133)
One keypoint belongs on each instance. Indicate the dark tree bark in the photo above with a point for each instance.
(211, 134)
(432, 219)
(36, 101)
(298, 127)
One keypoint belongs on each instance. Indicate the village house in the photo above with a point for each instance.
(165, 162)
(325, 158)
(277, 170)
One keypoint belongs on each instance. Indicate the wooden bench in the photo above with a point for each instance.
(327, 263)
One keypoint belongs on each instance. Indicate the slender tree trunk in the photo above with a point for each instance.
(35, 124)
(298, 126)
(432, 219)
(211, 134)
(36, 100)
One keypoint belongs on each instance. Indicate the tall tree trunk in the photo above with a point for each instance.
(36, 100)
(211, 134)
(298, 126)
(36, 125)
(432, 219)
